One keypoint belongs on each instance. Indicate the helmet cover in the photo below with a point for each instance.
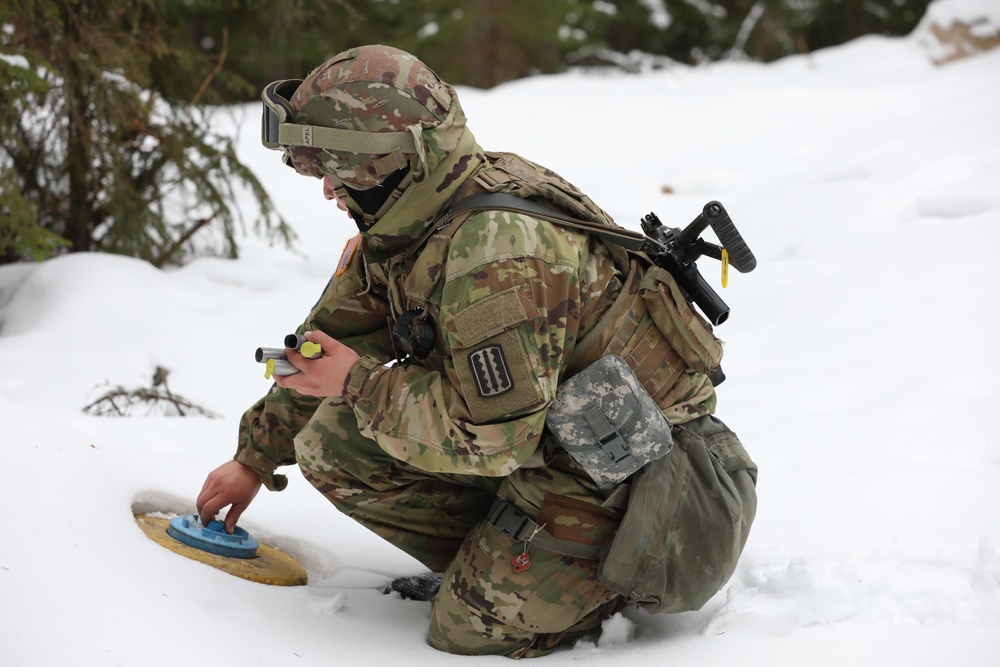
(371, 89)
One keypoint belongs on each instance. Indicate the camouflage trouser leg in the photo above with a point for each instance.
(427, 515)
(484, 607)
(488, 606)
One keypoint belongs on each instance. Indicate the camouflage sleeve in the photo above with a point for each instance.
(346, 312)
(510, 317)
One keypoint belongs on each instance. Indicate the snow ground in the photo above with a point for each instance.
(860, 354)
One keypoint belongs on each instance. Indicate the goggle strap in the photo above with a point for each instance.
(348, 141)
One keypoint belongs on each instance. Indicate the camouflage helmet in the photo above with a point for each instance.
(358, 117)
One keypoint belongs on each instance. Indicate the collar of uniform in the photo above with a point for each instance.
(422, 203)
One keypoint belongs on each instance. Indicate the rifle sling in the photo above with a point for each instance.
(500, 201)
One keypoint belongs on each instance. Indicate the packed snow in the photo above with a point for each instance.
(862, 373)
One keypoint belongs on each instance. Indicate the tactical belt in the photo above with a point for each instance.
(514, 523)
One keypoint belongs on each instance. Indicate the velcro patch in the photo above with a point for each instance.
(490, 316)
(490, 371)
(347, 255)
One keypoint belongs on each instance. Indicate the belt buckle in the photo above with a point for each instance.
(507, 519)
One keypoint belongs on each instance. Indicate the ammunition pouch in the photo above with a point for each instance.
(607, 422)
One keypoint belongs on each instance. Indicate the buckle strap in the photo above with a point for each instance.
(493, 179)
(608, 437)
(510, 521)
(515, 524)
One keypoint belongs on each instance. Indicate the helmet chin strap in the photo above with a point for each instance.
(397, 191)
(368, 206)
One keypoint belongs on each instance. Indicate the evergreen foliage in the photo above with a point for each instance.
(99, 152)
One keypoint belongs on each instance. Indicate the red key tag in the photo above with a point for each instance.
(521, 562)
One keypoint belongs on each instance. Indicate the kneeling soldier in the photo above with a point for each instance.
(448, 333)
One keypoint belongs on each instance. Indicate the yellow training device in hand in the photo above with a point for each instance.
(276, 361)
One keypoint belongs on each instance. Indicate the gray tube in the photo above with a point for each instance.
(283, 367)
(298, 341)
(264, 353)
(295, 341)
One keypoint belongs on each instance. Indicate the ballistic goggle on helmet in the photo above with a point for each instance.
(357, 118)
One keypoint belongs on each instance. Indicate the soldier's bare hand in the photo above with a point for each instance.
(321, 376)
(232, 484)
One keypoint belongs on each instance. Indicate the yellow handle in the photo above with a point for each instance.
(311, 350)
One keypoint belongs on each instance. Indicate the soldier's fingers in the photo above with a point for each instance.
(233, 516)
(210, 508)
(299, 360)
(300, 382)
(289, 381)
(325, 341)
(308, 380)
(208, 490)
(202, 497)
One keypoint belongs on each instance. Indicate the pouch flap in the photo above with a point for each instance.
(607, 422)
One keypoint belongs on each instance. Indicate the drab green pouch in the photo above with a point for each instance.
(688, 518)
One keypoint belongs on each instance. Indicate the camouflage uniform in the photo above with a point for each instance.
(418, 451)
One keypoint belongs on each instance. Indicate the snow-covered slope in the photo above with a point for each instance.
(863, 378)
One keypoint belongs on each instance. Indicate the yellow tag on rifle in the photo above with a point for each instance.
(269, 369)
(725, 268)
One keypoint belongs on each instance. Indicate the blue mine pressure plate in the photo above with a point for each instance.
(212, 538)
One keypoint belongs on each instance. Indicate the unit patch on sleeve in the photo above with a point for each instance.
(490, 371)
(493, 355)
(348, 254)
(497, 378)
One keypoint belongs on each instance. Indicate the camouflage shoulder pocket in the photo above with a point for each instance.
(607, 422)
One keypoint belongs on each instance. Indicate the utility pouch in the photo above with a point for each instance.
(607, 422)
(689, 333)
(688, 518)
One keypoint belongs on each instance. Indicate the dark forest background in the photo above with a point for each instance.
(483, 43)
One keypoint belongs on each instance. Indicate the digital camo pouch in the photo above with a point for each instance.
(607, 422)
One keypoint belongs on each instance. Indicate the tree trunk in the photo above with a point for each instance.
(79, 148)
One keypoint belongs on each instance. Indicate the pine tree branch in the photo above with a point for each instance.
(215, 71)
(176, 245)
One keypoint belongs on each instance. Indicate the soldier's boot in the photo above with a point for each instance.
(421, 587)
